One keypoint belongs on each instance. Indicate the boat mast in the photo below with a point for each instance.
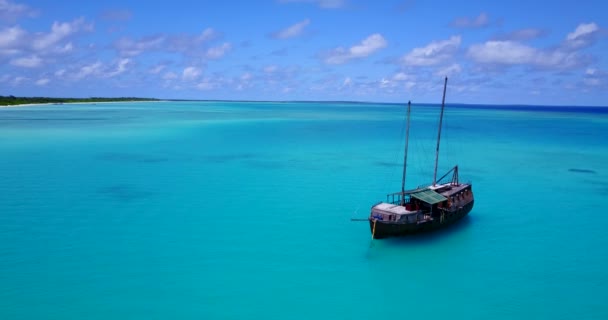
(439, 134)
(407, 138)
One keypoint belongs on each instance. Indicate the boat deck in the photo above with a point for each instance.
(389, 208)
(453, 189)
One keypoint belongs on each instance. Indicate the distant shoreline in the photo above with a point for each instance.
(12, 101)
(55, 103)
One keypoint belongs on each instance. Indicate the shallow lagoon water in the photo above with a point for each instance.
(232, 210)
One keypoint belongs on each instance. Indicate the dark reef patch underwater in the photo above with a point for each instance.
(582, 170)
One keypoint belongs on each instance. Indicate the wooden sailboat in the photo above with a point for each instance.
(425, 208)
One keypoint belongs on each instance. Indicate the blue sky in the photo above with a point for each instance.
(494, 52)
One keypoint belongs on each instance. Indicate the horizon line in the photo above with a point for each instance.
(313, 101)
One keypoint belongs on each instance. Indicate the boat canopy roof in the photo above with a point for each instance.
(429, 196)
(388, 208)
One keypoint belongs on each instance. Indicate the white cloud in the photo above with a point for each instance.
(514, 53)
(292, 31)
(157, 69)
(595, 78)
(89, 70)
(191, 73)
(219, 51)
(128, 47)
(190, 45)
(19, 80)
(432, 54)
(65, 49)
(582, 30)
(12, 38)
(170, 76)
(367, 47)
(503, 52)
(206, 84)
(187, 44)
(11, 11)
(121, 66)
(347, 83)
(384, 83)
(244, 81)
(480, 21)
(59, 32)
(325, 4)
(43, 82)
(559, 59)
(401, 76)
(562, 57)
(583, 35)
(15, 40)
(96, 69)
(449, 70)
(27, 62)
(398, 80)
(208, 35)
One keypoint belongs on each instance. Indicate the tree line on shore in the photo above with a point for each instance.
(12, 100)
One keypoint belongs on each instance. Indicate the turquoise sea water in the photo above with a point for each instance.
(226, 210)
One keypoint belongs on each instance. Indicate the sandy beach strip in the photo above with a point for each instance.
(58, 104)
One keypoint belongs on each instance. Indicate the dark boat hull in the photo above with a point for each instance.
(386, 229)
